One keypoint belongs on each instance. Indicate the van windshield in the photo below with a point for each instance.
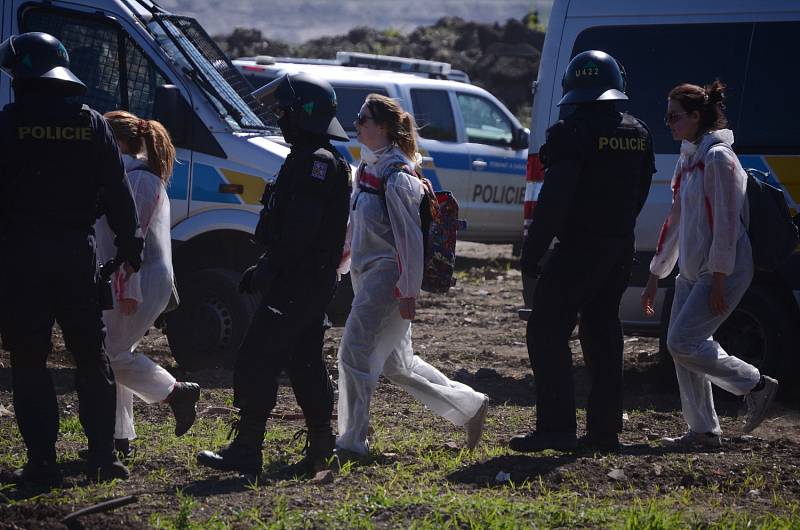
(187, 43)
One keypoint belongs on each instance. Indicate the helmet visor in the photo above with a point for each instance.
(6, 56)
(277, 94)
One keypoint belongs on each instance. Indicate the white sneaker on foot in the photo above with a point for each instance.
(693, 439)
(758, 402)
(475, 425)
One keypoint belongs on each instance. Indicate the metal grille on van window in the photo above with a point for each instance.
(206, 45)
(93, 47)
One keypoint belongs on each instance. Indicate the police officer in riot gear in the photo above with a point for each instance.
(303, 226)
(60, 167)
(599, 164)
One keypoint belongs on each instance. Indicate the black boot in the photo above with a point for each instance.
(243, 454)
(182, 400)
(39, 471)
(105, 468)
(123, 448)
(317, 452)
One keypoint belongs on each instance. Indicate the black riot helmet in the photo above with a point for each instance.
(309, 102)
(39, 57)
(593, 76)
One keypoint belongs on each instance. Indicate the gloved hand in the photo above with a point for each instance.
(130, 252)
(246, 283)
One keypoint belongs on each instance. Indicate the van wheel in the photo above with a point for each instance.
(757, 331)
(210, 323)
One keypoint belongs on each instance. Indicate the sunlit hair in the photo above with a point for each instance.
(708, 100)
(400, 126)
(145, 135)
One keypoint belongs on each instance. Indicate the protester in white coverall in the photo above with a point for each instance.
(386, 271)
(140, 298)
(706, 233)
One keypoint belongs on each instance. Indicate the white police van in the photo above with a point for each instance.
(470, 142)
(749, 46)
(133, 55)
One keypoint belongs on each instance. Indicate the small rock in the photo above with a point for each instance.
(323, 477)
(753, 493)
(482, 292)
(5, 412)
(502, 476)
(625, 416)
(657, 469)
(451, 446)
(486, 373)
(617, 474)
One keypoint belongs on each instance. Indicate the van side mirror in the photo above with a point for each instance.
(172, 110)
(521, 138)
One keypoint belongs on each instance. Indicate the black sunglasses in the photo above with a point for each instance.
(362, 118)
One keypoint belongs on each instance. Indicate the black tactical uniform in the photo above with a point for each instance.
(599, 164)
(60, 167)
(303, 226)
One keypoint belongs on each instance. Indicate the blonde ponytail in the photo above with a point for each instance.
(400, 126)
(145, 135)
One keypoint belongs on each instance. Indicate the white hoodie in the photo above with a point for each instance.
(706, 229)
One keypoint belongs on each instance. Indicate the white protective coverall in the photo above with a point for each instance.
(706, 232)
(387, 260)
(135, 373)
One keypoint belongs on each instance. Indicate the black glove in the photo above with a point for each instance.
(130, 252)
(246, 284)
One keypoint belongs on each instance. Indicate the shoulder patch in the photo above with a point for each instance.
(319, 170)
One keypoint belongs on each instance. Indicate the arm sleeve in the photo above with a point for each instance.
(725, 187)
(667, 247)
(403, 197)
(564, 159)
(148, 196)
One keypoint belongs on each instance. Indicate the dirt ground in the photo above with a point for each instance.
(473, 334)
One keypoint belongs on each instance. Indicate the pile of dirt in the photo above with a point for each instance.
(502, 58)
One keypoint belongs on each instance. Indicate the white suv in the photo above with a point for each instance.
(471, 143)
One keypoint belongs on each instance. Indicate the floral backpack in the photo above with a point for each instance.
(438, 212)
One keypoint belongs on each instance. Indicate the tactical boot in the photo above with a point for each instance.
(182, 400)
(318, 452)
(39, 472)
(106, 469)
(539, 441)
(243, 454)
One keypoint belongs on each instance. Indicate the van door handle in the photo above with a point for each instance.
(479, 164)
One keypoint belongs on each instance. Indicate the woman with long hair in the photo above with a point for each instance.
(141, 297)
(386, 246)
(706, 234)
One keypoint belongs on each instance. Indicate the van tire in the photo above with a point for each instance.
(210, 323)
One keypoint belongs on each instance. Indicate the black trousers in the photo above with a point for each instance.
(584, 278)
(287, 333)
(46, 279)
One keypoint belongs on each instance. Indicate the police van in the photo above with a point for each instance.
(471, 144)
(133, 55)
(746, 44)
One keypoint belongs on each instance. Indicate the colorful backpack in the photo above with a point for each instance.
(438, 212)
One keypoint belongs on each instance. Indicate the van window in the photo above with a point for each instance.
(768, 121)
(658, 57)
(433, 114)
(349, 101)
(485, 123)
(93, 44)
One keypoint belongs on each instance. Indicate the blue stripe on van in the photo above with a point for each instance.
(494, 164)
(179, 183)
(205, 185)
(758, 162)
(450, 160)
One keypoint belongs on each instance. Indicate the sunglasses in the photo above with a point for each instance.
(362, 118)
(673, 117)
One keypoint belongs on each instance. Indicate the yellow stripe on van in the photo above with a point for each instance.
(253, 185)
(787, 171)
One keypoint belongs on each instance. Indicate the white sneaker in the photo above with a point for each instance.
(758, 402)
(475, 425)
(694, 439)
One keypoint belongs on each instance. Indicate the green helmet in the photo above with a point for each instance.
(593, 76)
(39, 56)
